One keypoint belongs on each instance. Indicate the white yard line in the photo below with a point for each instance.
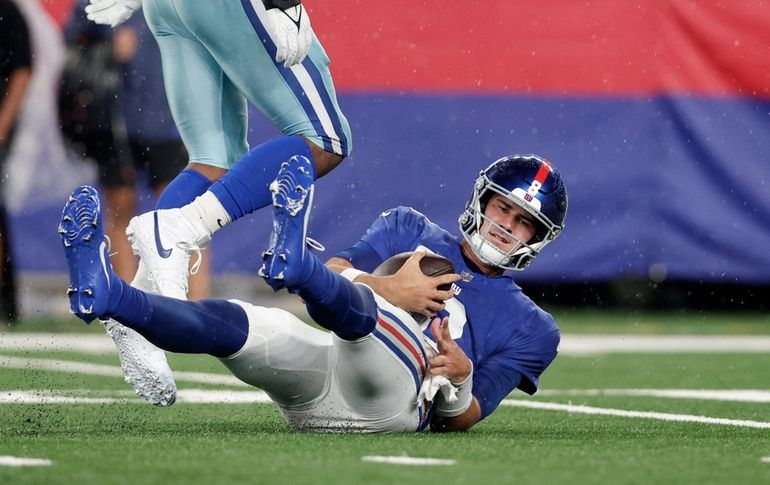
(19, 461)
(109, 370)
(734, 395)
(201, 396)
(79, 396)
(572, 344)
(205, 396)
(53, 342)
(686, 418)
(407, 460)
(59, 366)
(48, 397)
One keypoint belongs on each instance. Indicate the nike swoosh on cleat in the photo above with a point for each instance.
(163, 252)
(102, 250)
(219, 223)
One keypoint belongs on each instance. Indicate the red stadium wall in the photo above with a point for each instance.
(58, 9)
(561, 46)
(605, 47)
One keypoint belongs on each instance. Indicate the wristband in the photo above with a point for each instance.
(282, 4)
(464, 399)
(351, 274)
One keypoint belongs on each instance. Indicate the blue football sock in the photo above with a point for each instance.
(185, 187)
(214, 327)
(335, 303)
(244, 188)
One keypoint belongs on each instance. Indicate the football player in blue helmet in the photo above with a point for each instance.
(517, 207)
(378, 370)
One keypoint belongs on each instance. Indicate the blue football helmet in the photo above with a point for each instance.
(530, 182)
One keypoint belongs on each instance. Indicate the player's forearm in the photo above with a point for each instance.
(379, 284)
(14, 98)
(461, 422)
(338, 265)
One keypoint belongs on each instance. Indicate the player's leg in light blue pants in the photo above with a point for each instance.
(216, 55)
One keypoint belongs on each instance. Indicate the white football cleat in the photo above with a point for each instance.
(144, 365)
(164, 240)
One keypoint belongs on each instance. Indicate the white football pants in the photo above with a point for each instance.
(322, 383)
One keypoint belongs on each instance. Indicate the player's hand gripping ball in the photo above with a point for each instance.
(431, 265)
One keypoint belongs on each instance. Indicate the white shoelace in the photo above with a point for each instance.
(109, 246)
(190, 247)
(314, 244)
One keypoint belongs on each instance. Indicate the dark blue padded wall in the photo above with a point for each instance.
(674, 186)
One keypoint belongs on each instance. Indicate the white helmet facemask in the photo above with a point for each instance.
(486, 250)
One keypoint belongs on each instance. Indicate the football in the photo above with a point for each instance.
(430, 264)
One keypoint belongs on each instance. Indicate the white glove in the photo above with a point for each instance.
(112, 12)
(432, 384)
(291, 32)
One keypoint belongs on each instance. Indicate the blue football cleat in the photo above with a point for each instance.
(90, 271)
(292, 193)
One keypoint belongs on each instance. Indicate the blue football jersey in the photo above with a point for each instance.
(509, 339)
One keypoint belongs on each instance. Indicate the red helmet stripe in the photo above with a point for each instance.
(542, 172)
(540, 176)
